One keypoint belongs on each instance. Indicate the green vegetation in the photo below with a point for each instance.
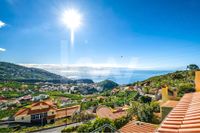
(144, 111)
(6, 130)
(120, 122)
(7, 113)
(91, 126)
(82, 116)
(182, 81)
(60, 93)
(69, 129)
(99, 122)
(185, 88)
(111, 100)
(193, 67)
(107, 85)
(10, 71)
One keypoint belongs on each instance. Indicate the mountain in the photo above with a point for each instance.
(107, 84)
(10, 71)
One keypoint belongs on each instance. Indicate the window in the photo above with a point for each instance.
(32, 117)
(37, 116)
(45, 114)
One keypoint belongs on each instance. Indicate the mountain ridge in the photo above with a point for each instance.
(15, 72)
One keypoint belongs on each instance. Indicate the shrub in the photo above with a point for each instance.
(120, 122)
(185, 88)
(70, 129)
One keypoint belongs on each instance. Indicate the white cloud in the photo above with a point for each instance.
(2, 49)
(2, 24)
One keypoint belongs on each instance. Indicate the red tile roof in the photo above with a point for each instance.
(185, 117)
(138, 127)
(106, 112)
(38, 107)
(170, 103)
(45, 106)
(60, 113)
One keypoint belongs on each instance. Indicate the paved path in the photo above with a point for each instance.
(57, 129)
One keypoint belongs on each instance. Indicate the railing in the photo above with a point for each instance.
(113, 130)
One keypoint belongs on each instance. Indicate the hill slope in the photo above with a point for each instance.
(10, 71)
(180, 80)
(107, 84)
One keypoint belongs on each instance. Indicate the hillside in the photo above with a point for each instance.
(10, 71)
(107, 84)
(180, 80)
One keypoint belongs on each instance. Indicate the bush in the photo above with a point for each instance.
(70, 129)
(99, 122)
(185, 88)
(6, 130)
(84, 128)
(145, 99)
(120, 122)
(145, 113)
(155, 106)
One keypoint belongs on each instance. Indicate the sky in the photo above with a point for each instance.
(117, 33)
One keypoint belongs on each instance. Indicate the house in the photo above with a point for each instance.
(3, 99)
(184, 118)
(138, 127)
(40, 97)
(44, 112)
(106, 112)
(25, 98)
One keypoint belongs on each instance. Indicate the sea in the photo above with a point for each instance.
(97, 74)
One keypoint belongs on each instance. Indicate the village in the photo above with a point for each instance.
(42, 106)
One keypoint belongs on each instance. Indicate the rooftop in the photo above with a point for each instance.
(106, 112)
(45, 106)
(170, 103)
(138, 127)
(185, 117)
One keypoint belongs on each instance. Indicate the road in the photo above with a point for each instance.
(57, 129)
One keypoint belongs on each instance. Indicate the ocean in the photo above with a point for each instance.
(118, 75)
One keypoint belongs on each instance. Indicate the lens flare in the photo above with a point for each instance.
(72, 20)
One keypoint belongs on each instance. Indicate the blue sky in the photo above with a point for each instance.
(132, 33)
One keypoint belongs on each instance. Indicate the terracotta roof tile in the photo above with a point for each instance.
(60, 113)
(45, 106)
(170, 103)
(106, 112)
(185, 117)
(138, 127)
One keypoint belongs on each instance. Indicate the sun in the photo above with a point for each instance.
(72, 19)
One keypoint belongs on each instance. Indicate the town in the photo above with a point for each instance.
(28, 107)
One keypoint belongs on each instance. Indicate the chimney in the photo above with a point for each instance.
(165, 94)
(197, 81)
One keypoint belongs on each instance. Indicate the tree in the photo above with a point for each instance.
(91, 126)
(85, 128)
(102, 121)
(142, 111)
(156, 106)
(145, 113)
(185, 88)
(120, 122)
(145, 99)
(193, 67)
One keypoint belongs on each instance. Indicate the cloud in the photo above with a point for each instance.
(2, 24)
(2, 49)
